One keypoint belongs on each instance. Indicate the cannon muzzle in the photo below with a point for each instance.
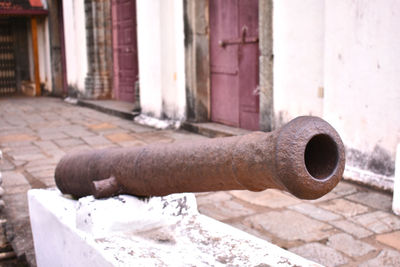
(305, 157)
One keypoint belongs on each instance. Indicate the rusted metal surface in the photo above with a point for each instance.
(305, 157)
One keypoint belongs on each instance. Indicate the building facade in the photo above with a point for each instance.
(248, 64)
(31, 48)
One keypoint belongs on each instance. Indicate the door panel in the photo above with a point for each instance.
(234, 63)
(224, 62)
(124, 49)
(249, 66)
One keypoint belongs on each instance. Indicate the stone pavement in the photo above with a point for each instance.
(351, 226)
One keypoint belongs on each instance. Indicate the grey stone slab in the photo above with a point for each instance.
(17, 189)
(29, 157)
(52, 136)
(72, 149)
(324, 198)
(290, 225)
(43, 174)
(315, 212)
(96, 140)
(132, 143)
(121, 137)
(19, 232)
(224, 210)
(352, 228)
(16, 206)
(379, 221)
(268, 198)
(211, 197)
(343, 189)
(29, 149)
(13, 178)
(154, 137)
(344, 207)
(103, 126)
(387, 258)
(78, 133)
(41, 167)
(6, 165)
(373, 199)
(49, 182)
(320, 254)
(390, 239)
(69, 142)
(41, 162)
(56, 154)
(52, 127)
(349, 246)
(105, 146)
(134, 127)
(183, 136)
(19, 163)
(16, 131)
(16, 144)
(33, 118)
(46, 145)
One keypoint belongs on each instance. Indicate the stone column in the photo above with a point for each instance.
(99, 41)
(197, 60)
(266, 65)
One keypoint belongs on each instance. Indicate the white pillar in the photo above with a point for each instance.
(161, 58)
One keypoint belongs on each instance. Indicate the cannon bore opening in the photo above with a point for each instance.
(321, 156)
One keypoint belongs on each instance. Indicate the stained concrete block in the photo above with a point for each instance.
(127, 231)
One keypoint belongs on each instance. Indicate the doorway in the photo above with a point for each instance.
(234, 63)
(125, 69)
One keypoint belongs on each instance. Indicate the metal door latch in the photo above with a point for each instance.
(241, 40)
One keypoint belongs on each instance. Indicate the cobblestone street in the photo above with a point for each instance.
(351, 226)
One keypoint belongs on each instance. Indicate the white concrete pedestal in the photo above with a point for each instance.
(126, 231)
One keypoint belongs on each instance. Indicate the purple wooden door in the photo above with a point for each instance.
(234, 63)
(124, 49)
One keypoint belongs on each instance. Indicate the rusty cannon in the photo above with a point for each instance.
(305, 157)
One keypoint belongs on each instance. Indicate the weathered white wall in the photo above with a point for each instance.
(298, 34)
(149, 49)
(161, 58)
(75, 43)
(48, 56)
(352, 49)
(362, 67)
(44, 52)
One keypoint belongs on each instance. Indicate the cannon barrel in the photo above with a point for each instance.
(305, 157)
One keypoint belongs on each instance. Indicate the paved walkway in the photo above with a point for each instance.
(350, 226)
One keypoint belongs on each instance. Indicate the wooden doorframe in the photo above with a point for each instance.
(60, 12)
(197, 62)
(35, 53)
(267, 117)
